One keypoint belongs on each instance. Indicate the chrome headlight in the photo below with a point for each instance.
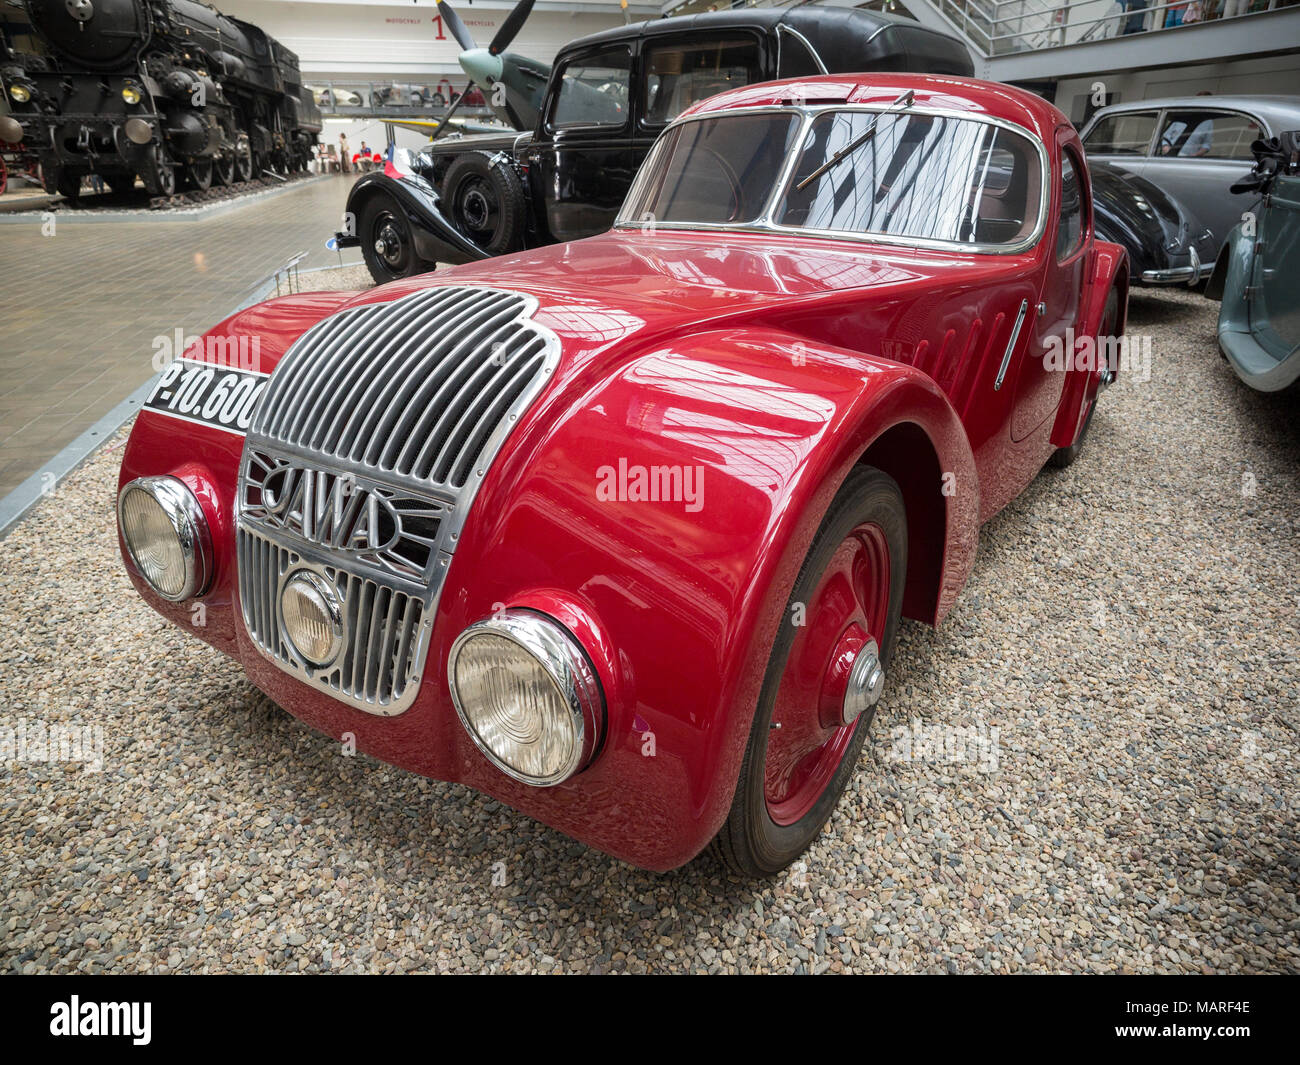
(132, 93)
(166, 535)
(20, 93)
(528, 696)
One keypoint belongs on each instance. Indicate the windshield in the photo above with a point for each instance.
(904, 175)
(713, 170)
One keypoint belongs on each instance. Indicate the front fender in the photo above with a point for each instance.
(761, 429)
(437, 240)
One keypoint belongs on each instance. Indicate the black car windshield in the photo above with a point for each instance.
(928, 177)
(714, 170)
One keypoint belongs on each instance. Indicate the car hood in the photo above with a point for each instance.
(479, 142)
(623, 284)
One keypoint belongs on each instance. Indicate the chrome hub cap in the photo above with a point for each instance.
(866, 683)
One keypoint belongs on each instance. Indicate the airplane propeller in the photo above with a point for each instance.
(487, 66)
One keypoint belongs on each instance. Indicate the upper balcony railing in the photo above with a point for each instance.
(1000, 27)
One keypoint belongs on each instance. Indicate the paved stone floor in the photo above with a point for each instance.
(81, 307)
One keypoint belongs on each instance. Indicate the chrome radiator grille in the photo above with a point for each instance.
(363, 458)
(415, 388)
(380, 667)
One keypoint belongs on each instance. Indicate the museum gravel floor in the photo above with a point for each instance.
(85, 300)
(1126, 649)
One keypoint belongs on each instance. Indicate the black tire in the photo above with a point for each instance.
(750, 842)
(386, 241)
(486, 198)
(1064, 457)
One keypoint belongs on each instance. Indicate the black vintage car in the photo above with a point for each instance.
(1166, 243)
(607, 98)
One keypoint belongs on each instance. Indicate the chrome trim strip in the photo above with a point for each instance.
(1011, 345)
(784, 28)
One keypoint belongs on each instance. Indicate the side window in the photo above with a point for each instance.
(1070, 234)
(1207, 135)
(594, 91)
(1123, 134)
(678, 75)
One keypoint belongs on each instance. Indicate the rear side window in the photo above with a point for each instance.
(1207, 135)
(1123, 134)
(594, 91)
(679, 75)
(1070, 234)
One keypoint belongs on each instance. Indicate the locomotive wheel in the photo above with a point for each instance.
(68, 185)
(487, 200)
(223, 169)
(386, 241)
(244, 165)
(199, 173)
(822, 679)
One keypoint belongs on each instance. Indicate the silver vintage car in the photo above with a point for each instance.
(1192, 147)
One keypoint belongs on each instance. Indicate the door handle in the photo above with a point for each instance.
(1041, 308)
(1011, 344)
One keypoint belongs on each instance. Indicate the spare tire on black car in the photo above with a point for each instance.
(485, 197)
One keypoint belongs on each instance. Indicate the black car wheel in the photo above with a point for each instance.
(487, 200)
(386, 241)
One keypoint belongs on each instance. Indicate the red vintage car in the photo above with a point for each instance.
(620, 531)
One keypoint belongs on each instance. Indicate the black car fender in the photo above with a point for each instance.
(436, 239)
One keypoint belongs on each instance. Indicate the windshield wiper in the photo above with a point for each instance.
(901, 104)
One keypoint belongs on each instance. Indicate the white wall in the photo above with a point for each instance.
(1249, 77)
(355, 40)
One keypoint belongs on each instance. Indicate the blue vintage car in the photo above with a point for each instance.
(1255, 273)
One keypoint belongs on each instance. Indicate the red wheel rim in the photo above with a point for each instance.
(849, 606)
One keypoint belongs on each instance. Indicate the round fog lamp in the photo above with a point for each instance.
(166, 535)
(132, 94)
(21, 93)
(313, 618)
(528, 696)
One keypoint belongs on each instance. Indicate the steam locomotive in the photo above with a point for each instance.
(171, 90)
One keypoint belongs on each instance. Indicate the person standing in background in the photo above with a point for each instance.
(345, 153)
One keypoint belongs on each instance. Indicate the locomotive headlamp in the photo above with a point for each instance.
(528, 696)
(166, 535)
(132, 93)
(20, 93)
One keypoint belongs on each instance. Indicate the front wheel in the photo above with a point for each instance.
(823, 678)
(386, 241)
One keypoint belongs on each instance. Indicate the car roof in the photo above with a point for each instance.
(1277, 110)
(845, 38)
(978, 98)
